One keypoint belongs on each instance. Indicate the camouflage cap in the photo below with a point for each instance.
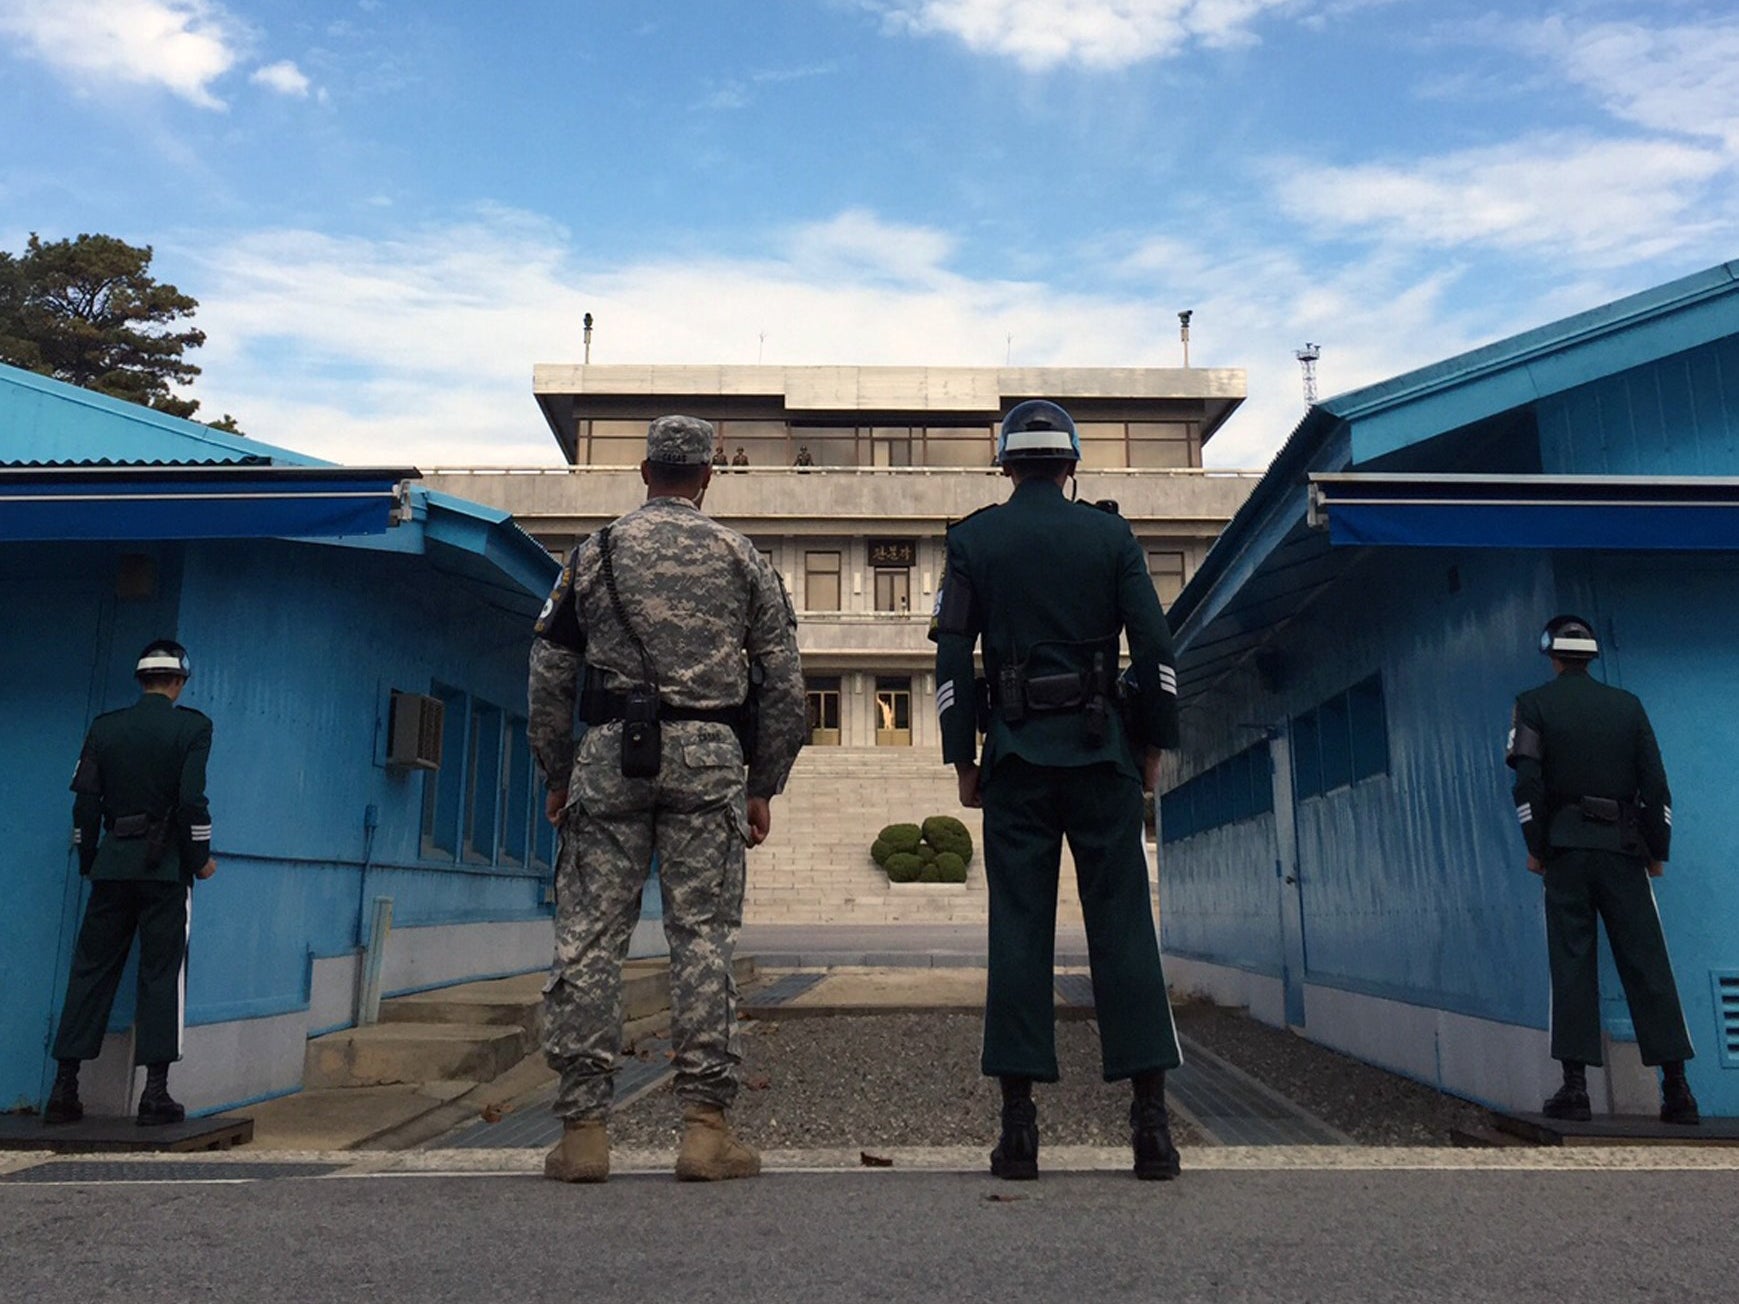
(680, 441)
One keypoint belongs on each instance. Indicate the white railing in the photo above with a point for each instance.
(1186, 472)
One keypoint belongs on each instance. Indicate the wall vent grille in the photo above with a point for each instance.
(1726, 984)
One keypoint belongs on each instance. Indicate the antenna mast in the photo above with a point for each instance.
(1307, 357)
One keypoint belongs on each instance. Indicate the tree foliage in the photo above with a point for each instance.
(89, 312)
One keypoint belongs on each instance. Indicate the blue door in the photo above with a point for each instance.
(1286, 881)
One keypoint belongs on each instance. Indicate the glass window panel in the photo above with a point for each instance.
(821, 589)
(482, 783)
(959, 446)
(1153, 453)
(893, 590)
(1336, 741)
(1102, 443)
(893, 703)
(516, 812)
(442, 788)
(1369, 721)
(828, 445)
(543, 843)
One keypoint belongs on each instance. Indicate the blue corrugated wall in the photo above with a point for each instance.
(1410, 882)
(295, 648)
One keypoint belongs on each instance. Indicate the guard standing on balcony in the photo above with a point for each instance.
(1597, 816)
(143, 832)
(1049, 585)
(687, 647)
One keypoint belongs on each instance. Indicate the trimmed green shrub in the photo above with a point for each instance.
(904, 867)
(949, 868)
(926, 853)
(901, 837)
(880, 851)
(929, 874)
(945, 833)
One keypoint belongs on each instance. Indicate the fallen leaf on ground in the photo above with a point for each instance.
(670, 1055)
(493, 1113)
(759, 1082)
(868, 1160)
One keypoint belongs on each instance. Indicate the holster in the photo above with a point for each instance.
(642, 738)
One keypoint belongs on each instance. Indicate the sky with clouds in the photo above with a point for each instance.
(389, 210)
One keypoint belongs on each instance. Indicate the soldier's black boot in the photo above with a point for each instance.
(1678, 1105)
(1150, 1130)
(63, 1105)
(1570, 1101)
(1016, 1157)
(156, 1107)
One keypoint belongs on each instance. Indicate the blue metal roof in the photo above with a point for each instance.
(44, 421)
(196, 502)
(1361, 425)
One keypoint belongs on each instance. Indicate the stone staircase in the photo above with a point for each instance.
(471, 1032)
(816, 867)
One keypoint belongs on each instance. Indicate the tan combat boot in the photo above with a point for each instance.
(710, 1151)
(582, 1155)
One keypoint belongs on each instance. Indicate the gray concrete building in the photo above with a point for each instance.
(847, 477)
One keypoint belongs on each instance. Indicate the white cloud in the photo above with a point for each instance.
(182, 46)
(1682, 79)
(419, 349)
(1094, 33)
(284, 77)
(1600, 201)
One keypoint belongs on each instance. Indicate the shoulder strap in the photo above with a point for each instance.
(609, 572)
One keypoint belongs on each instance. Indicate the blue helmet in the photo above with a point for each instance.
(1036, 429)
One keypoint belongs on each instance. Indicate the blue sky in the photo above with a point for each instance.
(389, 211)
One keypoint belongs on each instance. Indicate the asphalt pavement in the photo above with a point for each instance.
(1358, 1233)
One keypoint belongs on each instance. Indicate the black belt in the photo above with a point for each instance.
(610, 708)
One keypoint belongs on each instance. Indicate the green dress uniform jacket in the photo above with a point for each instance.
(146, 760)
(1049, 586)
(142, 828)
(1592, 799)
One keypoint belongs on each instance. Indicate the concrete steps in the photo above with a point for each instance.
(471, 1032)
(816, 868)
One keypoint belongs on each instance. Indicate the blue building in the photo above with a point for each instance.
(1339, 846)
(309, 595)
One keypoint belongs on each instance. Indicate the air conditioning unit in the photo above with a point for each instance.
(414, 728)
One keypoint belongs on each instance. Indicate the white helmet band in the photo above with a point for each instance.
(162, 663)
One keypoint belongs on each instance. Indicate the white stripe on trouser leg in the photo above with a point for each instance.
(1158, 950)
(181, 977)
(1666, 951)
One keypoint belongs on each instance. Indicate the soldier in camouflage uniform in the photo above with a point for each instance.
(664, 599)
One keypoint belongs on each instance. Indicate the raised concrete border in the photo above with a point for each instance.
(1502, 1065)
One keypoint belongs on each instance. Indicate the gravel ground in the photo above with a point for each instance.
(892, 1079)
(1370, 1105)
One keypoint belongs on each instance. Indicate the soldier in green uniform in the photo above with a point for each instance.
(143, 832)
(1597, 816)
(1049, 585)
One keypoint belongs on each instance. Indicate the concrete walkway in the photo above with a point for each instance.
(886, 946)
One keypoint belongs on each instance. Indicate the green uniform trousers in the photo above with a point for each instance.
(1582, 885)
(118, 908)
(1028, 811)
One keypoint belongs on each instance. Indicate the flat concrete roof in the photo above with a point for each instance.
(832, 393)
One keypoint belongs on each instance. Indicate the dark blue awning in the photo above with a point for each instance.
(197, 502)
(1641, 513)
